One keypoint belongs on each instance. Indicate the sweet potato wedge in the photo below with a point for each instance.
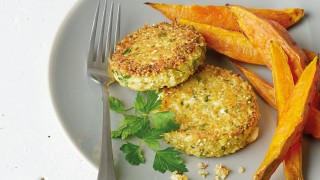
(313, 124)
(230, 43)
(284, 85)
(287, 132)
(293, 162)
(233, 43)
(281, 75)
(261, 31)
(220, 16)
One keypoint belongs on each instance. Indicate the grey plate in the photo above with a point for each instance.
(78, 100)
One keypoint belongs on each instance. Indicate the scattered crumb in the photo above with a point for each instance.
(178, 176)
(221, 172)
(241, 169)
(202, 165)
(204, 174)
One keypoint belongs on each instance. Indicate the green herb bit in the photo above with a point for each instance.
(133, 153)
(206, 99)
(150, 137)
(162, 34)
(188, 128)
(116, 105)
(202, 126)
(169, 159)
(202, 154)
(195, 63)
(223, 148)
(130, 126)
(198, 78)
(163, 120)
(127, 51)
(124, 77)
(148, 104)
(176, 70)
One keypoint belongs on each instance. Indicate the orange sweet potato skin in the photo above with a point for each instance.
(230, 43)
(310, 55)
(313, 124)
(284, 85)
(288, 132)
(286, 17)
(260, 32)
(281, 75)
(211, 21)
(219, 16)
(293, 162)
(293, 159)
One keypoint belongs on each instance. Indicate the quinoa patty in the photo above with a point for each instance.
(162, 55)
(216, 110)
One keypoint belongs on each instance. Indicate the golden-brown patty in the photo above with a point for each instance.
(162, 55)
(216, 110)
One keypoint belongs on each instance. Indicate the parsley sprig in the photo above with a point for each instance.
(148, 127)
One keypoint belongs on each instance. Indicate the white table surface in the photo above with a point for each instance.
(33, 143)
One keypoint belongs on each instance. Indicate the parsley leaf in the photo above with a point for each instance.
(151, 103)
(163, 120)
(116, 105)
(169, 159)
(139, 125)
(133, 153)
(150, 137)
(139, 102)
(129, 126)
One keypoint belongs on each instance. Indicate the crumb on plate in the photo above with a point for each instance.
(178, 176)
(221, 172)
(241, 169)
(202, 165)
(204, 174)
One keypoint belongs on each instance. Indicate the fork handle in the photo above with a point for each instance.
(106, 168)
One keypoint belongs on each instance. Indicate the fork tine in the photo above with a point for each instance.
(99, 56)
(108, 42)
(91, 52)
(117, 33)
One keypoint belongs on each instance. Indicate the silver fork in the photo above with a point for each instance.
(97, 69)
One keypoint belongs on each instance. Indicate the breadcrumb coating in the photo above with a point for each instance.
(216, 110)
(162, 55)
